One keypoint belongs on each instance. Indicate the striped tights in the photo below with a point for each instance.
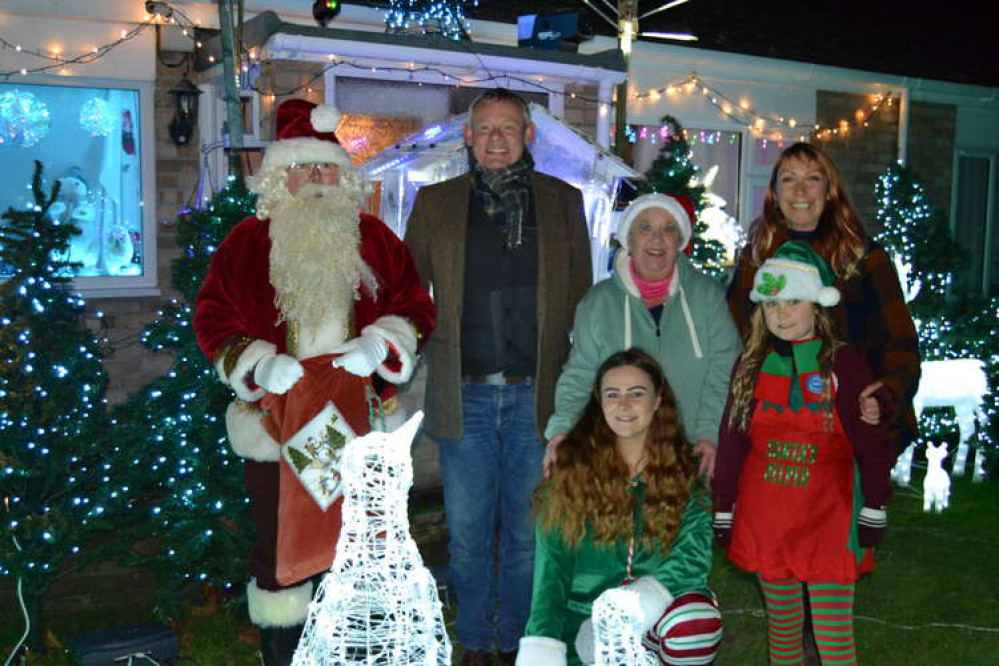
(832, 619)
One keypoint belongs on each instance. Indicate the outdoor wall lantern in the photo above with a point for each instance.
(185, 117)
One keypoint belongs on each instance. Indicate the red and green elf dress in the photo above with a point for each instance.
(795, 486)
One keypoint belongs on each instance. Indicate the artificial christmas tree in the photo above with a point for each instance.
(673, 172)
(197, 501)
(951, 324)
(59, 480)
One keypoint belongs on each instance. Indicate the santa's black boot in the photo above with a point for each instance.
(277, 644)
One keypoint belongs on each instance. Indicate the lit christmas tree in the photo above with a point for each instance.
(59, 483)
(198, 506)
(951, 325)
(443, 17)
(673, 172)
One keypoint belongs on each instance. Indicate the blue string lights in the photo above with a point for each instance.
(443, 17)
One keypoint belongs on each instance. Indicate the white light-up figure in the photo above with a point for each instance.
(936, 483)
(959, 383)
(617, 630)
(378, 604)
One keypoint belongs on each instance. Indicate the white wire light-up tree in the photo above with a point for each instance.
(625, 21)
(378, 604)
(617, 630)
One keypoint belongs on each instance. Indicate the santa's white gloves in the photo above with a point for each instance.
(541, 651)
(362, 355)
(277, 373)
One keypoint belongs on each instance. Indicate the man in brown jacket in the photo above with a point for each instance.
(507, 253)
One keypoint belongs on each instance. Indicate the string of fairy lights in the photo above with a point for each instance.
(59, 61)
(759, 123)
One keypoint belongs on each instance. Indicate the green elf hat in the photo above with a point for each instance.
(795, 273)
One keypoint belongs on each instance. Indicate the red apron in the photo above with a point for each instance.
(794, 517)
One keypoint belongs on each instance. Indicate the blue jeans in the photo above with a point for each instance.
(489, 475)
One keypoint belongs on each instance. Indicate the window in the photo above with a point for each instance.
(87, 138)
(718, 155)
(974, 219)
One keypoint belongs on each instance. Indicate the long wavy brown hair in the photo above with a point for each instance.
(589, 486)
(759, 343)
(840, 236)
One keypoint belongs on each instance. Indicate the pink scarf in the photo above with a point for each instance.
(654, 291)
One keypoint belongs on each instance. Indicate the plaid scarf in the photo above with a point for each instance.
(505, 195)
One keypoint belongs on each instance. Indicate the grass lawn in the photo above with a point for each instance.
(937, 578)
(933, 600)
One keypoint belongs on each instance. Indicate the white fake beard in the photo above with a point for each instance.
(315, 263)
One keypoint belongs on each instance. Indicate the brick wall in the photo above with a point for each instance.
(865, 152)
(129, 365)
(932, 128)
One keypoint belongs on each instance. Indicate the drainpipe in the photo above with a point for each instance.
(903, 124)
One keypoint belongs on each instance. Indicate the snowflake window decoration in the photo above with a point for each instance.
(97, 117)
(24, 119)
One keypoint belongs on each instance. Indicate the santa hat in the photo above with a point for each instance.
(795, 272)
(679, 206)
(305, 135)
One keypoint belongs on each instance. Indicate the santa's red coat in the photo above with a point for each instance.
(237, 298)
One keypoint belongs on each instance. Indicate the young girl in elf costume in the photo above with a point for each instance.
(802, 476)
(622, 506)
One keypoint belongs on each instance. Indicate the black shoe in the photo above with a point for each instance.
(507, 658)
(477, 658)
(277, 644)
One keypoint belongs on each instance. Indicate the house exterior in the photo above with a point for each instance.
(737, 109)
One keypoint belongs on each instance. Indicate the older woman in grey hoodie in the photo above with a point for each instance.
(659, 301)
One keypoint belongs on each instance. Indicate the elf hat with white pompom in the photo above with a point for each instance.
(795, 273)
(304, 135)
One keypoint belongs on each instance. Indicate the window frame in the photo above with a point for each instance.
(990, 274)
(123, 285)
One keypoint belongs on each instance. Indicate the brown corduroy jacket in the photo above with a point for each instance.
(871, 315)
(435, 235)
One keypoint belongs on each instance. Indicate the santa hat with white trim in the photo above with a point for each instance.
(679, 206)
(795, 273)
(305, 135)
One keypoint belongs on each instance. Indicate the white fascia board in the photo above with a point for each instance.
(283, 46)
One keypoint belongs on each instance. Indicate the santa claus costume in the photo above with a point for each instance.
(313, 314)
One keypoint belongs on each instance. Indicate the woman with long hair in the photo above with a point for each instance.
(806, 201)
(622, 506)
